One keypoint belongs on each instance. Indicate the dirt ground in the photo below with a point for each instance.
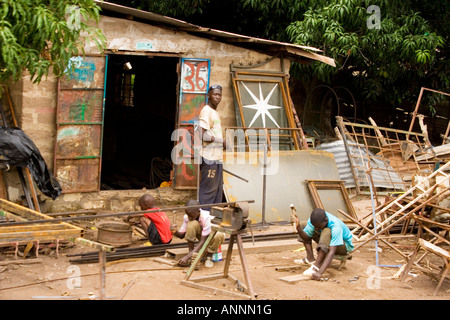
(147, 279)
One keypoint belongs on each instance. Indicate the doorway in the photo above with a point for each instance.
(140, 116)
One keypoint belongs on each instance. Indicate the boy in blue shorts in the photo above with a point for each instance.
(332, 236)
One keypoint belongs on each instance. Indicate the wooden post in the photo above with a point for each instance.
(102, 249)
(102, 262)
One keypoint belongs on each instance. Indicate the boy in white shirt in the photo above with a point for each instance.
(197, 226)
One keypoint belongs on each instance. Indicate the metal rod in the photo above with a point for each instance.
(264, 186)
(235, 175)
(143, 252)
(131, 213)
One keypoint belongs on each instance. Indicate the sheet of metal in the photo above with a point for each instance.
(194, 85)
(342, 162)
(74, 141)
(79, 121)
(87, 72)
(285, 181)
(80, 106)
(383, 175)
(78, 175)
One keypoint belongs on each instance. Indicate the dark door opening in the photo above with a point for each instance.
(140, 114)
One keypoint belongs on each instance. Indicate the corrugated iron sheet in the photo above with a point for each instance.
(383, 175)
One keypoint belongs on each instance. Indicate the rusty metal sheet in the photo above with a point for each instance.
(186, 168)
(79, 130)
(77, 175)
(285, 181)
(190, 107)
(80, 106)
(193, 90)
(77, 141)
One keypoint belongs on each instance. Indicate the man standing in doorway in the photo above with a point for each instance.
(211, 167)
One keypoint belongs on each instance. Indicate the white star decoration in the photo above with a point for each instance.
(261, 105)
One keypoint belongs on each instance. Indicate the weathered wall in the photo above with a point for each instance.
(35, 105)
(125, 35)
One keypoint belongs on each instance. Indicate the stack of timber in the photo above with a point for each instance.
(415, 205)
(38, 233)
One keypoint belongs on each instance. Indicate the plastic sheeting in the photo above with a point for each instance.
(17, 149)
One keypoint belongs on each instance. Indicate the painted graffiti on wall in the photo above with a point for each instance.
(194, 86)
(81, 70)
(195, 76)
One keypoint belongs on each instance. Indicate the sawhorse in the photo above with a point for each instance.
(235, 236)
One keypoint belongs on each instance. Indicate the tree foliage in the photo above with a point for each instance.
(389, 64)
(42, 34)
(378, 61)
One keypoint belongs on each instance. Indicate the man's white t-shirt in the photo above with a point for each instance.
(210, 121)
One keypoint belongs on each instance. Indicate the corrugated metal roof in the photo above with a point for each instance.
(268, 46)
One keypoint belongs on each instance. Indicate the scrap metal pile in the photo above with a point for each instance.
(416, 177)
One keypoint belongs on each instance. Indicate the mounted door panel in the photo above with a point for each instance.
(193, 95)
(79, 124)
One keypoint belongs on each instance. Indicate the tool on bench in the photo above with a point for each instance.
(232, 220)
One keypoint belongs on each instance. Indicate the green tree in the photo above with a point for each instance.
(388, 62)
(40, 35)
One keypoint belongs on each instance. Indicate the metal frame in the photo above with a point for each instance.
(380, 143)
(58, 124)
(258, 76)
(315, 185)
(266, 134)
(38, 232)
(235, 235)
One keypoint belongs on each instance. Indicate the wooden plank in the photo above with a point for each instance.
(31, 228)
(259, 247)
(20, 261)
(170, 262)
(435, 249)
(2, 186)
(95, 245)
(293, 279)
(214, 290)
(21, 212)
(41, 236)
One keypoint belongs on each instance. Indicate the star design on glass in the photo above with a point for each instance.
(261, 105)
